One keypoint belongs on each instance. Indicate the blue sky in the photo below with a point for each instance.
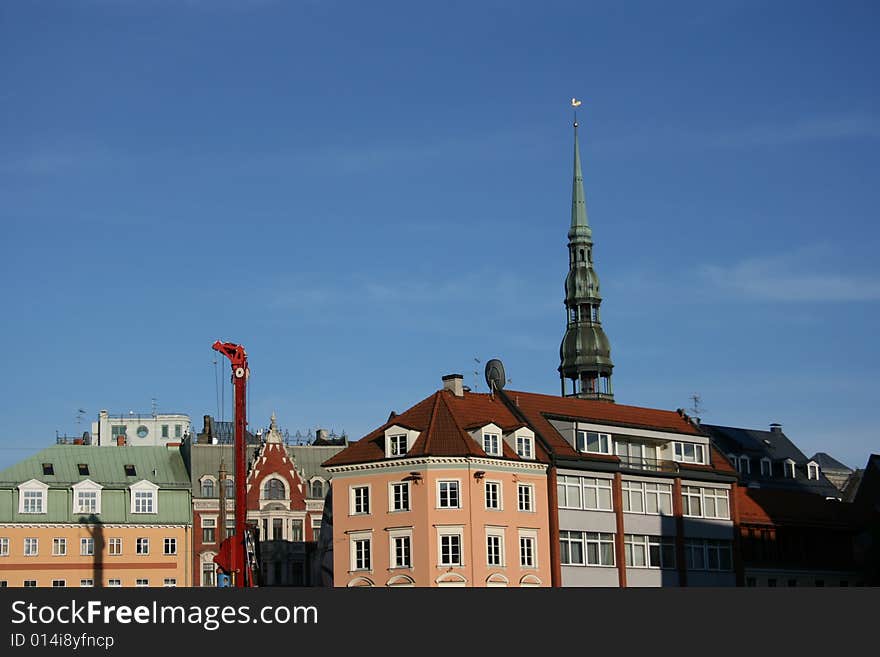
(369, 196)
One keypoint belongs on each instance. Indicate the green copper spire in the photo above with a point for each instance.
(585, 352)
(579, 224)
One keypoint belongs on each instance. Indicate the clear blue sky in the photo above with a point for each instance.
(370, 195)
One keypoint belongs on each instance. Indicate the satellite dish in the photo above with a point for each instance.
(495, 377)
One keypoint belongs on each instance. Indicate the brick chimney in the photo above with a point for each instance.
(454, 383)
(776, 427)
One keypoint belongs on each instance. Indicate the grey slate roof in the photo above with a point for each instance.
(756, 444)
(830, 464)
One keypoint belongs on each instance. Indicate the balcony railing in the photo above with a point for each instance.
(650, 465)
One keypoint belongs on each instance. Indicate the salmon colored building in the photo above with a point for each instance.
(452, 492)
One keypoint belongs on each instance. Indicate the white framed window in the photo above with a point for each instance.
(86, 583)
(571, 548)
(114, 547)
(32, 496)
(593, 442)
(360, 500)
(87, 497)
(169, 582)
(87, 547)
(745, 465)
(4, 546)
(692, 501)
(296, 530)
(700, 502)
(449, 547)
(492, 444)
(169, 546)
(144, 497)
(399, 496)
(633, 496)
(142, 545)
(207, 488)
(688, 453)
(525, 446)
(114, 583)
(589, 493)
(31, 547)
(586, 548)
(494, 547)
(569, 491)
(766, 467)
(525, 495)
(658, 498)
(59, 583)
(493, 495)
(397, 445)
(178, 430)
(316, 528)
(401, 548)
(30, 583)
(448, 494)
(142, 582)
(361, 551)
(649, 551)
(528, 549)
(165, 431)
(708, 554)
(788, 468)
(813, 470)
(209, 529)
(59, 547)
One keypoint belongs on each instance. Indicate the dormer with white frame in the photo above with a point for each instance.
(33, 497)
(813, 470)
(766, 467)
(788, 468)
(87, 497)
(399, 440)
(522, 441)
(490, 438)
(144, 497)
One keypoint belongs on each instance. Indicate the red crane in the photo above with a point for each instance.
(237, 554)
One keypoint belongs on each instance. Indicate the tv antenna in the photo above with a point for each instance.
(696, 408)
(476, 373)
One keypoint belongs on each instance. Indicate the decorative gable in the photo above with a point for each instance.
(32, 497)
(87, 497)
(489, 437)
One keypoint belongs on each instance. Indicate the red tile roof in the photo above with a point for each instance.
(440, 420)
(767, 506)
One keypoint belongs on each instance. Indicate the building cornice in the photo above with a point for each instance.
(429, 461)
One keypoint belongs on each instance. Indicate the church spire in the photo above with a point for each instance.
(585, 352)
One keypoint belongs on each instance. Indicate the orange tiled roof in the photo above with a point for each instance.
(769, 506)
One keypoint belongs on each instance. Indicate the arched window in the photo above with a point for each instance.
(317, 488)
(207, 488)
(273, 490)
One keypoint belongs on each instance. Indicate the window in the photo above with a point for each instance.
(744, 465)
(688, 453)
(165, 431)
(117, 430)
(83, 468)
(4, 547)
(658, 498)
(59, 583)
(400, 496)
(525, 447)
(491, 444)
(317, 488)
(144, 501)
(788, 468)
(362, 554)
(170, 546)
(87, 547)
(527, 552)
(59, 547)
(207, 488)
(33, 501)
(766, 467)
(178, 430)
(360, 500)
(569, 492)
(114, 583)
(649, 551)
(493, 495)
(208, 574)
(3, 583)
(397, 445)
(228, 491)
(142, 582)
(705, 502)
(316, 528)
(274, 490)
(30, 583)
(599, 548)
(692, 501)
(86, 501)
(589, 493)
(401, 548)
(142, 546)
(448, 494)
(524, 495)
(208, 530)
(633, 496)
(31, 547)
(494, 550)
(86, 583)
(590, 441)
(708, 554)
(115, 547)
(169, 582)
(296, 530)
(48, 469)
(812, 470)
(450, 549)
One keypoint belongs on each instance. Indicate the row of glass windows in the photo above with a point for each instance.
(637, 453)
(142, 431)
(579, 548)
(491, 443)
(273, 529)
(87, 501)
(87, 546)
(59, 583)
(448, 497)
(594, 494)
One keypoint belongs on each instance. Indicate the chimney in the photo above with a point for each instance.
(775, 427)
(454, 383)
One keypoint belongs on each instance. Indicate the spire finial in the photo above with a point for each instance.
(575, 103)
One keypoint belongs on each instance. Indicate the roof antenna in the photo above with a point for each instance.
(476, 374)
(696, 408)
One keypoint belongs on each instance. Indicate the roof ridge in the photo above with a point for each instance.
(431, 422)
(462, 433)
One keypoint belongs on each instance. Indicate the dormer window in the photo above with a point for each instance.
(492, 444)
(398, 445)
(766, 467)
(593, 442)
(130, 470)
(87, 497)
(399, 441)
(813, 470)
(83, 469)
(688, 453)
(525, 447)
(788, 468)
(32, 497)
(745, 465)
(48, 469)
(144, 497)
